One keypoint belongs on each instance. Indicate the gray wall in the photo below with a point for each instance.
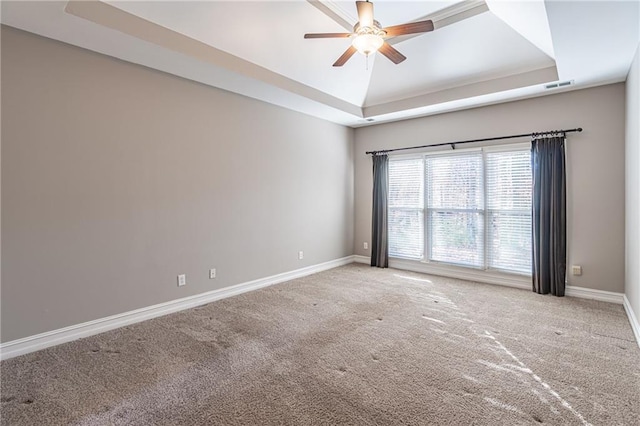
(117, 178)
(632, 154)
(595, 163)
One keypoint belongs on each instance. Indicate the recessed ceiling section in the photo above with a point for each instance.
(269, 35)
(476, 49)
(596, 42)
(528, 18)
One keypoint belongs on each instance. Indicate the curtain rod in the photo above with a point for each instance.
(453, 144)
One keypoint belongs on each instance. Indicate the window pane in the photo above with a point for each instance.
(457, 237)
(455, 181)
(406, 199)
(510, 242)
(509, 209)
(509, 180)
(406, 233)
(406, 181)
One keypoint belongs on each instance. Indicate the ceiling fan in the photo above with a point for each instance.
(368, 35)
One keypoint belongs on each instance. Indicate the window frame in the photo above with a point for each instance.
(484, 210)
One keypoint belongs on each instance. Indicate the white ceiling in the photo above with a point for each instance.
(479, 53)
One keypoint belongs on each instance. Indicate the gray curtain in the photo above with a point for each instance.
(379, 236)
(549, 215)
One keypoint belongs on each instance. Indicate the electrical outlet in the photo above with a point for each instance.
(300, 255)
(182, 280)
(365, 246)
(576, 270)
(212, 273)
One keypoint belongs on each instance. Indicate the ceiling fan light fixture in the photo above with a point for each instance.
(368, 35)
(367, 43)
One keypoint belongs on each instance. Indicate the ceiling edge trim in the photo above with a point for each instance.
(481, 101)
(515, 81)
(334, 12)
(448, 16)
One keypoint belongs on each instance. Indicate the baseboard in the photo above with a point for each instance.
(633, 319)
(86, 329)
(588, 293)
(361, 259)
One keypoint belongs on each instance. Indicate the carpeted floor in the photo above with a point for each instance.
(353, 345)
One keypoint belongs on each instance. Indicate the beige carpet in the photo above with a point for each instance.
(353, 345)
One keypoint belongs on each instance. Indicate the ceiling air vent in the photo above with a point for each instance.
(558, 84)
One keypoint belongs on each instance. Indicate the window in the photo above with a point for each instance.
(406, 214)
(469, 208)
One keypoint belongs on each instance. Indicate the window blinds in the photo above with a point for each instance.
(406, 200)
(468, 208)
(509, 210)
(455, 205)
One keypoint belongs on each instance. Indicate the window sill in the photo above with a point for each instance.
(450, 271)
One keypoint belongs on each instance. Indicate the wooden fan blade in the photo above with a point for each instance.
(328, 35)
(365, 13)
(345, 56)
(410, 28)
(391, 53)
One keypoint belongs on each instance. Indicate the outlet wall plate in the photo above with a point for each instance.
(182, 280)
(212, 273)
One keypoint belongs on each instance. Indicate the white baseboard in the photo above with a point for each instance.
(588, 293)
(361, 259)
(633, 319)
(86, 329)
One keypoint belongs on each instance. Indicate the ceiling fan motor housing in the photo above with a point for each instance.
(376, 29)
